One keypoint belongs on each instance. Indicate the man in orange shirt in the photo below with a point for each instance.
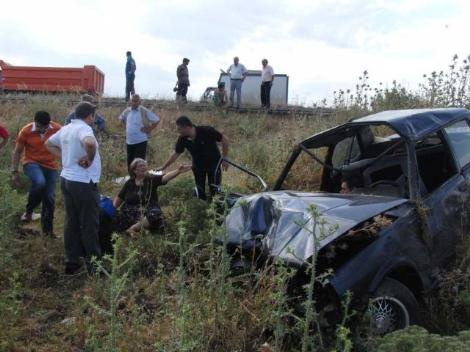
(40, 166)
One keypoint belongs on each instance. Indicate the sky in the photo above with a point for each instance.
(322, 45)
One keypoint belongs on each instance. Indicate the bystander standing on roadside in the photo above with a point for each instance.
(201, 142)
(139, 122)
(267, 78)
(40, 166)
(182, 74)
(237, 74)
(130, 75)
(81, 170)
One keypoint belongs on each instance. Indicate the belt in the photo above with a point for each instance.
(235, 79)
(86, 183)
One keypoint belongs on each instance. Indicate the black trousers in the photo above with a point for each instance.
(138, 150)
(203, 172)
(130, 87)
(266, 94)
(81, 223)
(181, 92)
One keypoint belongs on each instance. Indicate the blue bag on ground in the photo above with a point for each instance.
(106, 204)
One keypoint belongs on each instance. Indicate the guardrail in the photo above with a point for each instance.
(171, 105)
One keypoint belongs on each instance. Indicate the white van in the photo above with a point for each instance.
(251, 89)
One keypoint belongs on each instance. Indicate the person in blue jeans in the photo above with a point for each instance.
(40, 166)
(237, 73)
(130, 75)
(43, 182)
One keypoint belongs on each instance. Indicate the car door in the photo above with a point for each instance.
(458, 137)
(439, 211)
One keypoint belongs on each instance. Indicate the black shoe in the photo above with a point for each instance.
(72, 269)
(49, 234)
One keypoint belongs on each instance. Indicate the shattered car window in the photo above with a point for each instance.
(435, 163)
(305, 174)
(459, 138)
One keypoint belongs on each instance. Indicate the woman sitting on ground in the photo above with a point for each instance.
(139, 198)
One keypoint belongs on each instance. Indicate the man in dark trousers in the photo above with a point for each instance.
(267, 78)
(183, 81)
(201, 142)
(130, 75)
(139, 122)
(81, 169)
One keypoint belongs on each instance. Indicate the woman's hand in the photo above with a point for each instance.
(172, 174)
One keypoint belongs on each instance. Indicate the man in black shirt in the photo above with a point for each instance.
(201, 142)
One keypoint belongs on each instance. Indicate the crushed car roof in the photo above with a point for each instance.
(417, 123)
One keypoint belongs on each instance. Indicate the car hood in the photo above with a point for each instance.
(285, 221)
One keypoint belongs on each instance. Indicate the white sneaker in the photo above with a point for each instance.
(33, 217)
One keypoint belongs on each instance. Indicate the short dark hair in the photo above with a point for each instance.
(128, 53)
(84, 109)
(184, 121)
(42, 117)
(185, 59)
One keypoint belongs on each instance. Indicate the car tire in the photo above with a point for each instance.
(393, 307)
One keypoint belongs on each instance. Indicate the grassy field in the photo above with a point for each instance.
(171, 292)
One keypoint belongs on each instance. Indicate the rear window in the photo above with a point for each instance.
(459, 139)
(382, 131)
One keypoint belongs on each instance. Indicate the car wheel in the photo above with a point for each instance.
(393, 307)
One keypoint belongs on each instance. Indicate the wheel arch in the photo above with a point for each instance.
(403, 271)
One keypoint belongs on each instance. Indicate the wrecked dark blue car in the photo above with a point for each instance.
(380, 201)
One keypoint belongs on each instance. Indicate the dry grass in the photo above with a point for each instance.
(45, 311)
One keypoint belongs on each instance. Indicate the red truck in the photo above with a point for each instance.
(88, 79)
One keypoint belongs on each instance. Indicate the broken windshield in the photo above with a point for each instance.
(371, 158)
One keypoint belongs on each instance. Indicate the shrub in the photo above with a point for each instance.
(417, 339)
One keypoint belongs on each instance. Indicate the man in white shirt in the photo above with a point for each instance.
(77, 146)
(237, 74)
(139, 123)
(267, 78)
